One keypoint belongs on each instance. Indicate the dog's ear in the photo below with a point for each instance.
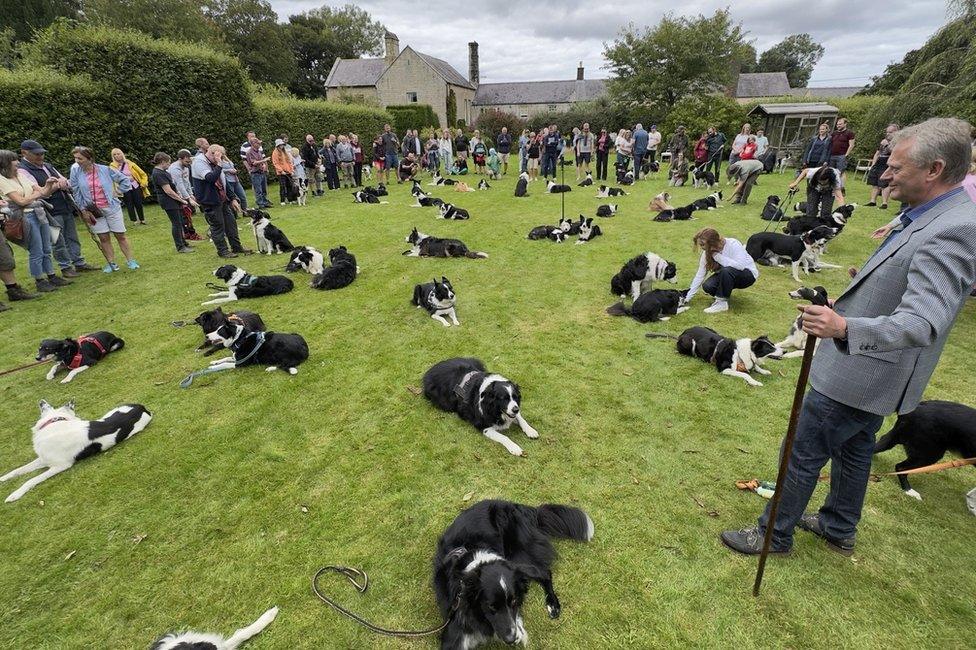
(443, 279)
(69, 340)
(43, 406)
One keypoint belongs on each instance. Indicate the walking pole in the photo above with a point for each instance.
(801, 385)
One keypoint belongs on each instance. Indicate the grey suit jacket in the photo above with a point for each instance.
(900, 308)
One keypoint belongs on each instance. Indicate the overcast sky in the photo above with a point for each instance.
(524, 40)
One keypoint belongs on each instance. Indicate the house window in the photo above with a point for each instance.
(524, 116)
(412, 98)
(552, 108)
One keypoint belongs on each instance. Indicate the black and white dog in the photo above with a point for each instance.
(427, 201)
(639, 272)
(772, 211)
(710, 202)
(487, 401)
(651, 306)
(770, 248)
(683, 213)
(362, 196)
(483, 185)
(241, 284)
(249, 347)
(211, 321)
(438, 299)
(440, 180)
(77, 355)
(837, 220)
(588, 231)
(427, 246)
(61, 439)
(702, 178)
(451, 211)
(522, 185)
(552, 233)
(416, 190)
(649, 167)
(554, 188)
(933, 429)
(269, 237)
(606, 210)
(796, 340)
(732, 357)
(341, 272)
(586, 182)
(485, 561)
(571, 227)
(305, 258)
(609, 191)
(208, 641)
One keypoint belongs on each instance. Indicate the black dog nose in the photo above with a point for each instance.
(515, 409)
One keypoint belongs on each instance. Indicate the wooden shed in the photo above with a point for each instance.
(790, 126)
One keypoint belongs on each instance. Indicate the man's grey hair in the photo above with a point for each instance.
(939, 138)
(639, 126)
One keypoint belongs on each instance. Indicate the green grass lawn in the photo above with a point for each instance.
(244, 484)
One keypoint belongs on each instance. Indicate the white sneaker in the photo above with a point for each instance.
(718, 306)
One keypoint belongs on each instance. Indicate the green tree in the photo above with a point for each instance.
(796, 55)
(451, 109)
(680, 56)
(8, 48)
(25, 17)
(252, 33)
(178, 20)
(321, 35)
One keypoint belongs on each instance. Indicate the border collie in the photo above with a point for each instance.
(606, 210)
(427, 201)
(522, 185)
(661, 202)
(772, 211)
(341, 272)
(710, 202)
(606, 192)
(241, 284)
(554, 188)
(552, 233)
(732, 357)
(207, 641)
(796, 340)
(451, 211)
(649, 167)
(571, 227)
(638, 272)
(440, 180)
(305, 258)
(365, 197)
(77, 355)
(588, 231)
(301, 191)
(489, 402)
(416, 190)
(934, 428)
(249, 347)
(767, 248)
(461, 186)
(61, 439)
(423, 245)
(483, 185)
(702, 178)
(586, 182)
(211, 321)
(684, 213)
(485, 561)
(837, 220)
(438, 299)
(269, 237)
(651, 306)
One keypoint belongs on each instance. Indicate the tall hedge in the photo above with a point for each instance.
(412, 116)
(158, 94)
(296, 117)
(54, 109)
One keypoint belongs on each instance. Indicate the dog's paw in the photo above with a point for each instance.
(66, 380)
(293, 371)
(553, 607)
(531, 433)
(13, 497)
(913, 494)
(271, 368)
(515, 450)
(755, 383)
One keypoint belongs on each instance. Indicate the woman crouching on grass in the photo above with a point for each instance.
(729, 263)
(93, 191)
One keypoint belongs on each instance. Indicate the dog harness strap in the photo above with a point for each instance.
(459, 389)
(52, 421)
(257, 346)
(76, 360)
(247, 280)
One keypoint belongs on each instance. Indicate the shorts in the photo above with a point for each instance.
(479, 160)
(583, 157)
(391, 161)
(6, 255)
(379, 164)
(109, 222)
(503, 157)
(533, 163)
(839, 163)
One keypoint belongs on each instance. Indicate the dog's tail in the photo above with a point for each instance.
(888, 440)
(618, 309)
(564, 521)
(117, 344)
(476, 255)
(252, 630)
(660, 335)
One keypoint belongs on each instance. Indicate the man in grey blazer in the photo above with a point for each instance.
(882, 337)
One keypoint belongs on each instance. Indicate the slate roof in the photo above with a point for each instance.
(447, 71)
(366, 72)
(762, 84)
(539, 92)
(828, 92)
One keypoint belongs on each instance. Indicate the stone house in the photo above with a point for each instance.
(528, 98)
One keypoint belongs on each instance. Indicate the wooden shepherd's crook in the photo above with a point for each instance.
(801, 387)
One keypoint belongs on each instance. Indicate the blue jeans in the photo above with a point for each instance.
(236, 190)
(638, 159)
(549, 164)
(67, 250)
(844, 435)
(38, 236)
(259, 182)
(721, 283)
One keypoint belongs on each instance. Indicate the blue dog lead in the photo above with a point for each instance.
(199, 373)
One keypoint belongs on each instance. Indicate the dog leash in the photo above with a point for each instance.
(23, 367)
(206, 371)
(351, 574)
(752, 484)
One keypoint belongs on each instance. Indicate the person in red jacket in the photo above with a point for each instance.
(748, 149)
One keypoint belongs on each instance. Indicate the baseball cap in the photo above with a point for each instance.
(279, 142)
(32, 146)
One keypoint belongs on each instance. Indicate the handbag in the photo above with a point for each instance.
(13, 229)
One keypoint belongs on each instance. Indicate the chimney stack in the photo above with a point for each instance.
(579, 72)
(474, 75)
(392, 44)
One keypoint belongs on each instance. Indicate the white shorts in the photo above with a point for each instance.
(109, 222)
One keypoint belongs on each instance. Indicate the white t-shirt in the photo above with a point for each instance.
(732, 254)
(653, 140)
(838, 177)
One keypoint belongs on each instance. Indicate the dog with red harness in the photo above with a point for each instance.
(76, 355)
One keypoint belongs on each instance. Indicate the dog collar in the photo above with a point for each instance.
(52, 421)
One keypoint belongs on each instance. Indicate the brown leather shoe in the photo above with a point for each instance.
(17, 292)
(68, 273)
